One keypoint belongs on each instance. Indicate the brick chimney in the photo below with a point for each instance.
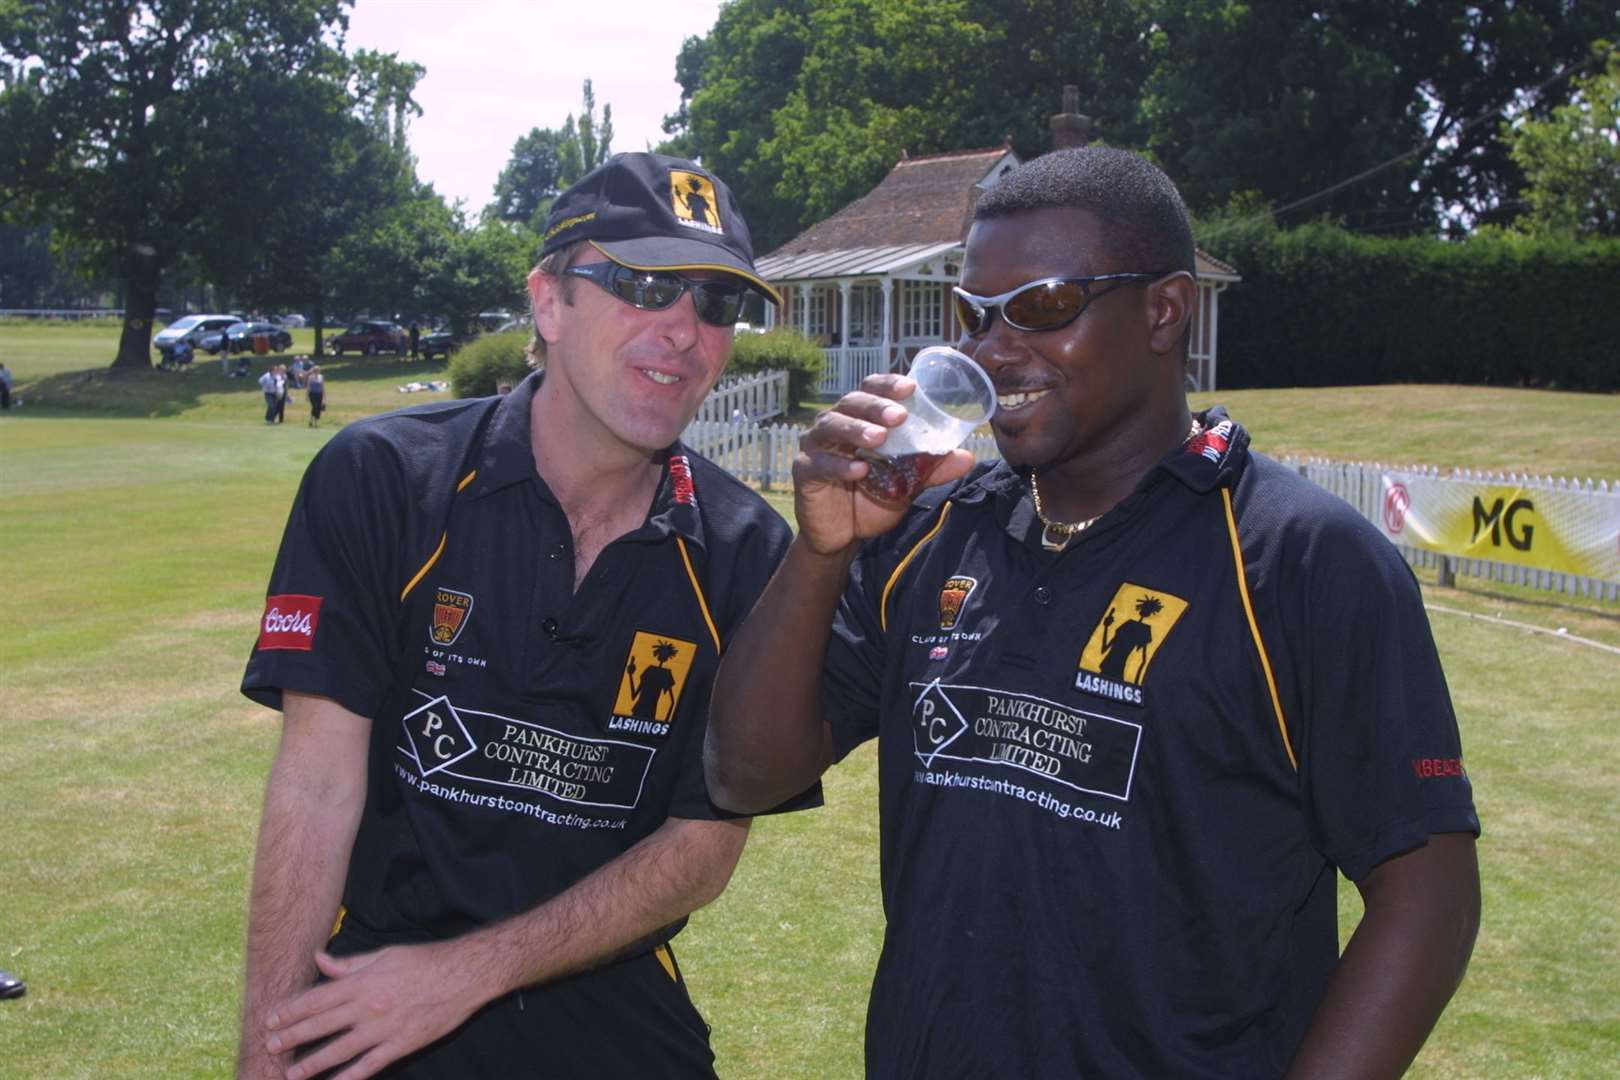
(1069, 127)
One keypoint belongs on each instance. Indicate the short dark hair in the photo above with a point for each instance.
(1144, 220)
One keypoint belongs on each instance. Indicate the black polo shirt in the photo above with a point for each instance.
(1116, 781)
(524, 734)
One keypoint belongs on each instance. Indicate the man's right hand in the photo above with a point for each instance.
(833, 511)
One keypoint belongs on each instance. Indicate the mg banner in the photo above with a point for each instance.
(1570, 532)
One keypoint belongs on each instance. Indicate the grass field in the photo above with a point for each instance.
(138, 523)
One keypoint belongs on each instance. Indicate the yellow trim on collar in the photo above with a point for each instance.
(883, 604)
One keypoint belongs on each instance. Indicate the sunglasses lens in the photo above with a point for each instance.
(718, 305)
(651, 291)
(1047, 306)
(971, 318)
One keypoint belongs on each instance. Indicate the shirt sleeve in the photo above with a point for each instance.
(852, 680)
(691, 798)
(333, 605)
(1380, 755)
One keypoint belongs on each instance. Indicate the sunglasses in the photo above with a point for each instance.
(718, 303)
(1048, 304)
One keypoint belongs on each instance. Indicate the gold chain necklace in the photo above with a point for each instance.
(1055, 535)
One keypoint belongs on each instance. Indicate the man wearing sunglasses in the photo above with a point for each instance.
(492, 630)
(1140, 695)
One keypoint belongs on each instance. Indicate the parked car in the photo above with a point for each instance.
(289, 322)
(440, 343)
(371, 336)
(195, 330)
(242, 334)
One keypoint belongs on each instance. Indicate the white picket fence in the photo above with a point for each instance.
(747, 398)
(763, 454)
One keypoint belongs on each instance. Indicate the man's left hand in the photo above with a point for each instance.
(376, 1008)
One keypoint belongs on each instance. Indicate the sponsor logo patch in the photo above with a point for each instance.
(1429, 768)
(289, 622)
(450, 612)
(680, 474)
(1116, 657)
(438, 738)
(953, 597)
(692, 197)
(1212, 445)
(650, 688)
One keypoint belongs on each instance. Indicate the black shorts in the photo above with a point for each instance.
(631, 1020)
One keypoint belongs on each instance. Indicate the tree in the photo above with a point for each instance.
(1292, 101)
(482, 269)
(802, 105)
(128, 124)
(531, 179)
(333, 168)
(547, 160)
(1571, 160)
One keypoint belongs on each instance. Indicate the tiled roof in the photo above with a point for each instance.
(923, 200)
(1211, 267)
(923, 206)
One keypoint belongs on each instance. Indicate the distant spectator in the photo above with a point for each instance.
(503, 387)
(416, 338)
(280, 372)
(267, 383)
(5, 387)
(315, 386)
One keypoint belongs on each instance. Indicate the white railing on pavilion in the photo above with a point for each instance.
(843, 368)
(763, 455)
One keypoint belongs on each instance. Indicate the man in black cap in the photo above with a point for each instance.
(492, 629)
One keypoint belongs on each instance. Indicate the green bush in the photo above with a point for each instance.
(1319, 306)
(483, 363)
(781, 349)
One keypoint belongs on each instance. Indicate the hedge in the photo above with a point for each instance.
(477, 369)
(1319, 306)
(781, 349)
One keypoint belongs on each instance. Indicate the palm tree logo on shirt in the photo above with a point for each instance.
(1120, 650)
(654, 674)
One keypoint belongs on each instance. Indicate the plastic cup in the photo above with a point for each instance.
(954, 396)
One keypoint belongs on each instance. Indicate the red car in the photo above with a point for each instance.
(370, 336)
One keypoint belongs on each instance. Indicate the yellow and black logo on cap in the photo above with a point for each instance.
(1116, 657)
(692, 195)
(654, 675)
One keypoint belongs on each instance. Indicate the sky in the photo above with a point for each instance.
(496, 68)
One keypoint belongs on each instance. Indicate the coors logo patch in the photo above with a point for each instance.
(289, 622)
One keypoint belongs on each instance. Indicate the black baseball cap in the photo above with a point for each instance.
(652, 212)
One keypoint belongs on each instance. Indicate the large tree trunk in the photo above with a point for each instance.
(135, 343)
